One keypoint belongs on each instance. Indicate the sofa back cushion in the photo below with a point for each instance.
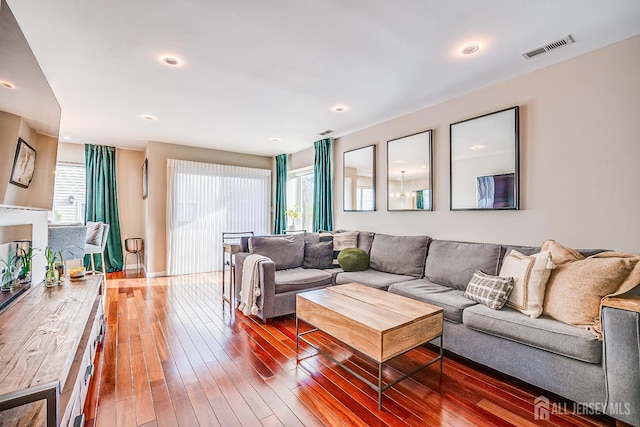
(365, 240)
(318, 255)
(403, 255)
(285, 251)
(452, 264)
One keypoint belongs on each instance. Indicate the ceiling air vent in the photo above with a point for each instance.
(546, 48)
(326, 132)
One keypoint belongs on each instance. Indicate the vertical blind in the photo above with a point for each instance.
(69, 193)
(203, 201)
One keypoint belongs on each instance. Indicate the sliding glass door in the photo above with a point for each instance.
(203, 201)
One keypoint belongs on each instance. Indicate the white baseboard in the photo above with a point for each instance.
(133, 267)
(156, 274)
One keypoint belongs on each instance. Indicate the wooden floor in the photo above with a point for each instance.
(173, 356)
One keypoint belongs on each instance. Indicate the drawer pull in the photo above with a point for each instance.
(88, 373)
(79, 421)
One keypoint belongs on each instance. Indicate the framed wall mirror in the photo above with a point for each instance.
(485, 162)
(359, 179)
(410, 173)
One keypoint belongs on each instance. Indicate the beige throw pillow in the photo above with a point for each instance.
(530, 275)
(347, 239)
(560, 254)
(576, 288)
(94, 233)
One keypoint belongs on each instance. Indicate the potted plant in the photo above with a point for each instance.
(293, 214)
(53, 259)
(8, 272)
(25, 257)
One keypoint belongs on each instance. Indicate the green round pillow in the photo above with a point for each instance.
(353, 259)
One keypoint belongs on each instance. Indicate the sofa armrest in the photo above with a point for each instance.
(621, 330)
(267, 285)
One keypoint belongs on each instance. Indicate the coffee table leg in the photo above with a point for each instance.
(297, 340)
(379, 386)
(440, 354)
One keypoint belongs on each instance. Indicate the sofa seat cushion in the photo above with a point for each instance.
(542, 332)
(451, 300)
(374, 278)
(296, 279)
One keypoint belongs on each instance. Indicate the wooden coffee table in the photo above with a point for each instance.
(378, 324)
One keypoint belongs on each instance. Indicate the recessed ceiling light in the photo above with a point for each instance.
(339, 108)
(399, 161)
(477, 147)
(275, 139)
(7, 84)
(470, 48)
(171, 60)
(66, 137)
(148, 117)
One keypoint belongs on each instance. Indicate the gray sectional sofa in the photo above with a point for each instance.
(552, 355)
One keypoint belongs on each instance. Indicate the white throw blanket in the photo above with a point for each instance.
(250, 286)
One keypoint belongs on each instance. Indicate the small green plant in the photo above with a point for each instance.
(25, 257)
(52, 275)
(293, 213)
(7, 273)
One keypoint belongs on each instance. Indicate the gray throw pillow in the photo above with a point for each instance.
(318, 255)
(492, 291)
(94, 233)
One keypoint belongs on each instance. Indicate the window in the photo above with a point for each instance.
(300, 199)
(69, 193)
(364, 198)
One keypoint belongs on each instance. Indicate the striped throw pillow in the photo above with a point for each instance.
(492, 291)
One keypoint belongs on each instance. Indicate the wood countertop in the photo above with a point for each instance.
(39, 334)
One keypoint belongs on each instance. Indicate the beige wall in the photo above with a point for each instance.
(157, 154)
(70, 153)
(130, 203)
(580, 149)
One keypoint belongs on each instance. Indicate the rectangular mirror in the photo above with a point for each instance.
(484, 162)
(409, 173)
(359, 179)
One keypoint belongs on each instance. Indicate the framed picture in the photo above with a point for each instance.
(145, 179)
(24, 164)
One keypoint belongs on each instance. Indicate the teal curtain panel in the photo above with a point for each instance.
(102, 200)
(281, 194)
(420, 199)
(322, 200)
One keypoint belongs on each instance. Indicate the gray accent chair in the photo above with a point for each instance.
(92, 250)
(68, 239)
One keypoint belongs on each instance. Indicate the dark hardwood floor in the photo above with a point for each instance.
(174, 356)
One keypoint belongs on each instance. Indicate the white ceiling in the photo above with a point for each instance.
(254, 70)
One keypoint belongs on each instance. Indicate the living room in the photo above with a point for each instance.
(578, 132)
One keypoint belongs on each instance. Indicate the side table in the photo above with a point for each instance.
(231, 249)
